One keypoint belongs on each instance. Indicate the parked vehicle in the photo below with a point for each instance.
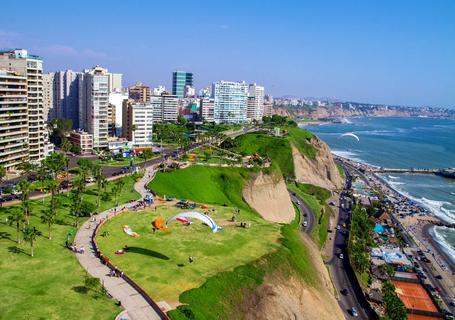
(341, 256)
(344, 292)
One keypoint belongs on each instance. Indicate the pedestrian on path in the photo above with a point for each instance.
(82, 250)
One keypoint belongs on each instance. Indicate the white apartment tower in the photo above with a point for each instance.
(13, 119)
(207, 110)
(255, 109)
(230, 101)
(93, 104)
(30, 66)
(138, 123)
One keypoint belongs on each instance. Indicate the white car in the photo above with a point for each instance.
(338, 227)
(305, 223)
(89, 180)
(341, 256)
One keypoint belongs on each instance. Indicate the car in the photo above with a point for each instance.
(439, 277)
(305, 223)
(344, 292)
(89, 180)
(354, 312)
(341, 256)
(430, 287)
(448, 315)
(452, 302)
(338, 227)
(438, 290)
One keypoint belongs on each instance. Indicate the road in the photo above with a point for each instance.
(306, 211)
(342, 273)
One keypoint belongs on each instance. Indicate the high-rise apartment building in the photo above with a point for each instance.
(115, 82)
(111, 124)
(268, 105)
(66, 96)
(180, 79)
(94, 103)
(207, 110)
(13, 119)
(139, 92)
(230, 101)
(255, 108)
(30, 66)
(49, 109)
(170, 105)
(138, 123)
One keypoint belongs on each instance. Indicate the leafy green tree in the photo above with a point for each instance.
(85, 167)
(147, 154)
(87, 208)
(395, 309)
(30, 233)
(59, 129)
(66, 145)
(17, 218)
(76, 197)
(2, 173)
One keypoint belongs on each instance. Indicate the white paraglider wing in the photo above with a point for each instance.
(196, 215)
(350, 134)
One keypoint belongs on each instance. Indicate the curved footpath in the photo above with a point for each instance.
(135, 305)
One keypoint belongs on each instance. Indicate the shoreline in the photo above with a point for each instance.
(445, 260)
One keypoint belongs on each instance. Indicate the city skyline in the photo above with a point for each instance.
(389, 53)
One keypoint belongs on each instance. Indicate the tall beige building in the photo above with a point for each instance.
(255, 107)
(49, 110)
(139, 92)
(13, 119)
(30, 66)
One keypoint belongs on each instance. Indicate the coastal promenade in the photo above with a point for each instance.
(135, 305)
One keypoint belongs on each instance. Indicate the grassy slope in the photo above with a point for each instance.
(220, 296)
(159, 261)
(316, 198)
(300, 138)
(43, 287)
(204, 184)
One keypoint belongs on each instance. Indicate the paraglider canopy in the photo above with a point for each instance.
(196, 215)
(350, 134)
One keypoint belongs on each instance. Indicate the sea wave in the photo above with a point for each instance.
(393, 177)
(348, 155)
(437, 233)
(434, 206)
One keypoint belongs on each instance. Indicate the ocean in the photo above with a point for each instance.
(404, 143)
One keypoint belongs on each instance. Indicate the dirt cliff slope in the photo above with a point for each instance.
(320, 171)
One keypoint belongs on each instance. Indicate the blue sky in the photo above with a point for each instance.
(385, 51)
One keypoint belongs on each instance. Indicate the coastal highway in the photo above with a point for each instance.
(308, 215)
(342, 273)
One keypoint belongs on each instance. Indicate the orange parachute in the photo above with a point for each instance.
(160, 224)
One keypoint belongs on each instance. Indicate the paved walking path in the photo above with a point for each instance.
(134, 304)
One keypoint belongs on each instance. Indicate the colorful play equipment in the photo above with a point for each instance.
(186, 216)
(130, 231)
(160, 224)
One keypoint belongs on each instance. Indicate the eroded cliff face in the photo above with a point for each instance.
(321, 171)
(268, 195)
(290, 298)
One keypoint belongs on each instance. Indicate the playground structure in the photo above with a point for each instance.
(185, 218)
(130, 231)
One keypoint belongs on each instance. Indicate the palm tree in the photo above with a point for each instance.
(85, 167)
(76, 197)
(17, 218)
(30, 234)
(100, 182)
(24, 188)
(66, 145)
(55, 163)
(49, 216)
(117, 189)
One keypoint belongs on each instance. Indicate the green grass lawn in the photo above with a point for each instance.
(300, 138)
(220, 296)
(316, 198)
(277, 149)
(47, 286)
(159, 261)
(203, 184)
